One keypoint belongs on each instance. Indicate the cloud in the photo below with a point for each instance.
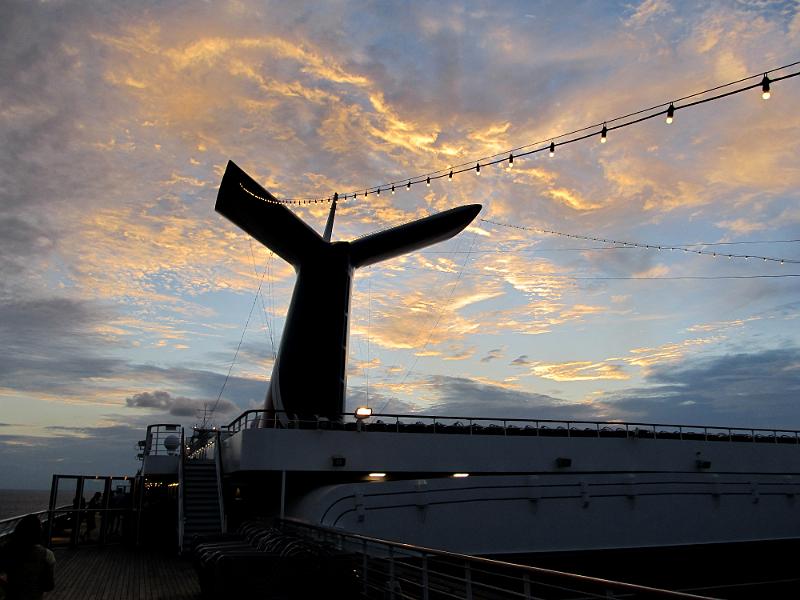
(179, 406)
(579, 371)
(492, 355)
(464, 397)
(757, 389)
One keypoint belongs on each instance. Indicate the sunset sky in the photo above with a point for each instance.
(124, 296)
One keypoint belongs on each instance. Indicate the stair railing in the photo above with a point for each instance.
(181, 515)
(218, 464)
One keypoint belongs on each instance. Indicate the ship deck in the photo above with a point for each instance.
(119, 573)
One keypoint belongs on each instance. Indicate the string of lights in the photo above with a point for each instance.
(689, 248)
(549, 145)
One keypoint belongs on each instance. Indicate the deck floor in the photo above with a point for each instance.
(118, 573)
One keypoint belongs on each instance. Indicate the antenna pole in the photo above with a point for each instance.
(329, 225)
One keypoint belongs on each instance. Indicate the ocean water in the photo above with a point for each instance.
(21, 502)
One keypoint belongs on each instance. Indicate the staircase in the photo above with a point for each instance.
(201, 501)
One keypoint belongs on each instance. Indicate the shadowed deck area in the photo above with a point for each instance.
(119, 573)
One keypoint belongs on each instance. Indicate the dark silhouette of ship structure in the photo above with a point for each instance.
(303, 493)
(319, 312)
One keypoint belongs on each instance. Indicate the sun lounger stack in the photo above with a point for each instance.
(261, 559)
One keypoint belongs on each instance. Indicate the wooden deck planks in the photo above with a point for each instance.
(118, 573)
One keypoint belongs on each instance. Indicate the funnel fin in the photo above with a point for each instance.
(268, 221)
(411, 236)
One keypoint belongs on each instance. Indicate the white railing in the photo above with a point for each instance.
(395, 570)
(441, 424)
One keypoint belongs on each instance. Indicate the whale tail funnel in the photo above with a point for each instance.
(317, 323)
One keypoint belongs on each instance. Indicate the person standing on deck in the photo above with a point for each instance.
(26, 567)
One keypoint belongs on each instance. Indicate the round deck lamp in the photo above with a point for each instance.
(363, 412)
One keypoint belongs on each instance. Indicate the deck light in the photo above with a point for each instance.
(377, 475)
(460, 475)
(363, 412)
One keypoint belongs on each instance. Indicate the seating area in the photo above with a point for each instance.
(261, 558)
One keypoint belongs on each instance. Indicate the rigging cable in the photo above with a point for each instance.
(438, 317)
(620, 243)
(241, 339)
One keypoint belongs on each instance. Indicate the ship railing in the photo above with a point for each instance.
(8, 524)
(162, 439)
(442, 424)
(389, 569)
(204, 443)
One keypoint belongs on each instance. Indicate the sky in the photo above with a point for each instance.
(124, 297)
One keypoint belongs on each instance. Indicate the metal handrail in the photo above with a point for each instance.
(5, 522)
(566, 428)
(220, 497)
(180, 492)
(156, 434)
(389, 550)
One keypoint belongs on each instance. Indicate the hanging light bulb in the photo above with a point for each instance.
(765, 87)
(366, 193)
(670, 113)
(428, 181)
(392, 189)
(450, 177)
(552, 149)
(477, 168)
(510, 161)
(604, 134)
(378, 192)
(408, 185)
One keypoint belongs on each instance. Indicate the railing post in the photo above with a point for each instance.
(51, 513)
(467, 581)
(526, 586)
(364, 567)
(391, 573)
(77, 514)
(425, 591)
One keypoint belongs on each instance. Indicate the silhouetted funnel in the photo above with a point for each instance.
(309, 376)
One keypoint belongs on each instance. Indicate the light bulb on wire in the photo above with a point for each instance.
(408, 185)
(510, 162)
(552, 149)
(765, 87)
(450, 177)
(670, 113)
(604, 134)
(428, 181)
(477, 168)
(392, 189)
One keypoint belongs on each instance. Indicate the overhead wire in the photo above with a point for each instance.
(649, 246)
